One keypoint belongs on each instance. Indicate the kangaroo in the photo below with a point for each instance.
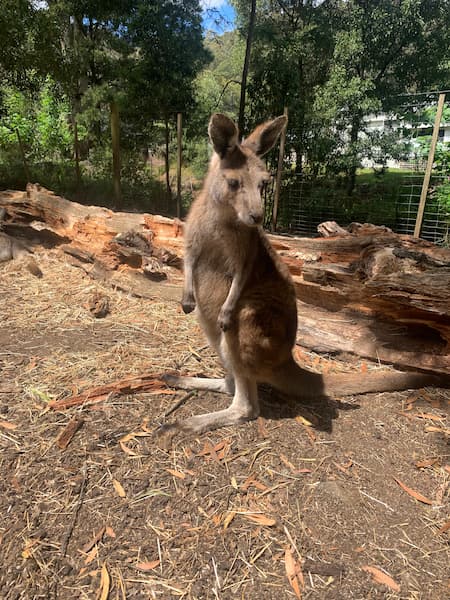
(11, 248)
(243, 293)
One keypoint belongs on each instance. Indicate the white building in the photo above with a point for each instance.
(384, 122)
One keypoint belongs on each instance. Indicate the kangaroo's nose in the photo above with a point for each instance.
(256, 217)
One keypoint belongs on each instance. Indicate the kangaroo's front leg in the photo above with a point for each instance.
(188, 299)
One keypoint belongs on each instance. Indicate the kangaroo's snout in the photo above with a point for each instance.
(256, 217)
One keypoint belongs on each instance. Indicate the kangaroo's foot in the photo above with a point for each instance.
(245, 407)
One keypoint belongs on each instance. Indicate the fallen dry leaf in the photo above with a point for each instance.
(287, 462)
(29, 548)
(427, 462)
(303, 421)
(262, 431)
(413, 493)
(105, 582)
(226, 522)
(261, 519)
(293, 572)
(91, 555)
(443, 430)
(251, 481)
(119, 488)
(381, 577)
(147, 566)
(110, 531)
(216, 452)
(444, 528)
(178, 474)
(8, 425)
(428, 416)
(97, 537)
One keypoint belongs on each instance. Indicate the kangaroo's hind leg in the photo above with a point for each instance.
(244, 407)
(245, 403)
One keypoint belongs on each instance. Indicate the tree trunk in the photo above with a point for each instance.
(24, 157)
(76, 149)
(351, 171)
(166, 156)
(248, 47)
(115, 139)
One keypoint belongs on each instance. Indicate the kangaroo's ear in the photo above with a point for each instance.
(223, 134)
(264, 136)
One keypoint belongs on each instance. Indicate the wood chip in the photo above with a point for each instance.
(67, 434)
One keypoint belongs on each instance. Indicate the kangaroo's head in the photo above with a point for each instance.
(237, 173)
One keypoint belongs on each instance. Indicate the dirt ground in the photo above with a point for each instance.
(328, 492)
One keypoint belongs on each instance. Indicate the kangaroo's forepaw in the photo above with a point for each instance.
(188, 304)
(225, 319)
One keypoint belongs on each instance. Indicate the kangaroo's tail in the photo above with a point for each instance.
(290, 378)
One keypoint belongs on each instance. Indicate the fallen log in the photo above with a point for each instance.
(363, 289)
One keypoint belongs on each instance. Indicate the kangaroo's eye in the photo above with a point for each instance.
(233, 184)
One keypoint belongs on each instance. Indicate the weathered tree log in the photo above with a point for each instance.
(130, 250)
(363, 290)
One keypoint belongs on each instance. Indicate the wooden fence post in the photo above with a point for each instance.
(179, 156)
(276, 197)
(429, 167)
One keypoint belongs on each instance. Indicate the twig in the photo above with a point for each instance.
(177, 404)
(68, 535)
(376, 500)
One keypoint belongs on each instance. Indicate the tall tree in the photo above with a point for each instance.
(245, 68)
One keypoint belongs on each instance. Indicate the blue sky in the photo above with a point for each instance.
(217, 8)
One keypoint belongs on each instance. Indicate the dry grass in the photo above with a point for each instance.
(298, 502)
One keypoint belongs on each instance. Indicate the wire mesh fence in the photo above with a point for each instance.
(306, 202)
(388, 190)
